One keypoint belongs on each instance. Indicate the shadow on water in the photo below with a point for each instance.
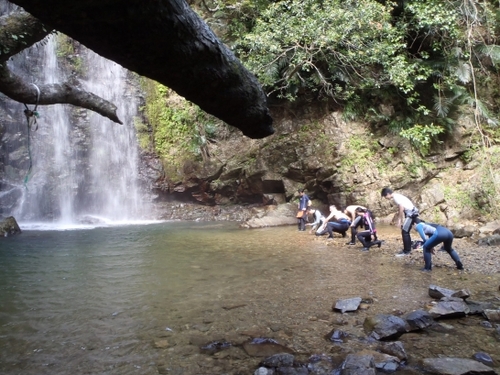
(141, 299)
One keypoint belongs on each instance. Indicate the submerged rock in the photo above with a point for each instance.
(264, 347)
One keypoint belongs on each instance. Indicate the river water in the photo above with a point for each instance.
(141, 299)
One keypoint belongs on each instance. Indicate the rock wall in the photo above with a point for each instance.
(344, 162)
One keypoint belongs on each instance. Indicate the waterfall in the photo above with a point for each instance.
(85, 168)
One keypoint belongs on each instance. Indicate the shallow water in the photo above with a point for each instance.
(140, 299)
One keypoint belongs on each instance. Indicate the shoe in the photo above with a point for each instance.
(365, 249)
(350, 243)
(425, 269)
(402, 253)
(460, 266)
(329, 238)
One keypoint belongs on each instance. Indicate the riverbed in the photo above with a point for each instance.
(142, 299)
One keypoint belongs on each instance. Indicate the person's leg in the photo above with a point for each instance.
(447, 246)
(353, 236)
(364, 238)
(405, 234)
(434, 240)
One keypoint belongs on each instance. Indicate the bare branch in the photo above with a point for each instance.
(17, 89)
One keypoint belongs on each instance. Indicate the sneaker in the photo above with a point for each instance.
(365, 249)
(402, 253)
(425, 269)
(350, 243)
(460, 266)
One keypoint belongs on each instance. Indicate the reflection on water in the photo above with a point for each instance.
(99, 301)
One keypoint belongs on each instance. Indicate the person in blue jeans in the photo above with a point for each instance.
(336, 221)
(432, 235)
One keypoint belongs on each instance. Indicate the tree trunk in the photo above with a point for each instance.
(166, 41)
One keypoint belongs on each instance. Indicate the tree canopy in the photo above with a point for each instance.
(163, 40)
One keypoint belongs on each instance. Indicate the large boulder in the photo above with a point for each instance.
(9, 227)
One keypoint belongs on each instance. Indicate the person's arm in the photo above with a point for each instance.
(420, 229)
(401, 215)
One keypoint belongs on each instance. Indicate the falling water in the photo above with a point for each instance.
(84, 166)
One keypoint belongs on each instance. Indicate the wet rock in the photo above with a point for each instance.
(463, 293)
(350, 304)
(419, 319)
(492, 315)
(483, 358)
(264, 347)
(9, 227)
(394, 348)
(489, 241)
(336, 335)
(320, 364)
(384, 327)
(456, 366)
(449, 309)
(263, 371)
(477, 308)
(278, 360)
(215, 346)
(438, 292)
(356, 364)
(383, 362)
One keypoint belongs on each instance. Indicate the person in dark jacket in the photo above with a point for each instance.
(432, 235)
(304, 203)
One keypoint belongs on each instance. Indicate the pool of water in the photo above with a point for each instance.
(140, 299)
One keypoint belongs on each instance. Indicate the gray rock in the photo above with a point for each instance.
(279, 360)
(456, 366)
(492, 315)
(449, 309)
(477, 308)
(489, 241)
(356, 364)
(350, 304)
(438, 292)
(384, 327)
(483, 358)
(419, 319)
(394, 348)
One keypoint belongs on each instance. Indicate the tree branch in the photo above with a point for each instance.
(17, 89)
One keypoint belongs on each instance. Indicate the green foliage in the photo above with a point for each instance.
(422, 136)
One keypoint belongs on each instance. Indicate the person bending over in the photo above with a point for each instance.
(319, 219)
(355, 221)
(432, 235)
(370, 232)
(407, 213)
(336, 221)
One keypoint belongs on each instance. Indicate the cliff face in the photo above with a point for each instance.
(342, 162)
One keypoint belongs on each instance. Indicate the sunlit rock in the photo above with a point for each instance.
(345, 305)
(456, 366)
(438, 292)
(449, 309)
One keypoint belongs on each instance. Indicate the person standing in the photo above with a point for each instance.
(370, 233)
(432, 235)
(304, 203)
(407, 213)
(355, 221)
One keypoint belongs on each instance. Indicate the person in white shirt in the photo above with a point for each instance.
(407, 213)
